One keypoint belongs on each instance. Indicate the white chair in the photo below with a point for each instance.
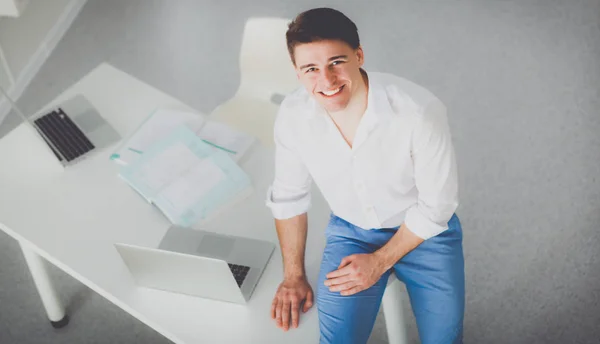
(395, 324)
(267, 74)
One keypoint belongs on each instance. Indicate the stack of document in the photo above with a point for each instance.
(185, 166)
(163, 121)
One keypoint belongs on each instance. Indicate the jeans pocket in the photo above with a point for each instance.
(332, 223)
(455, 226)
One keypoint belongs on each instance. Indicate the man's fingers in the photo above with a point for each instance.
(295, 312)
(278, 312)
(351, 291)
(273, 307)
(338, 280)
(286, 306)
(343, 286)
(309, 301)
(285, 314)
(346, 270)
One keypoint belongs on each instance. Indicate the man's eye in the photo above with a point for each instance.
(336, 62)
(310, 70)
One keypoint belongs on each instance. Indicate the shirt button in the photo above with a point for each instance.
(369, 209)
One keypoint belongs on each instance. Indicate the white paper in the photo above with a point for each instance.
(157, 127)
(218, 134)
(167, 166)
(193, 185)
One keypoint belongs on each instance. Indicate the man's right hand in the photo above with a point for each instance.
(288, 298)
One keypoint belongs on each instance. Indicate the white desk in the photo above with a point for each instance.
(72, 218)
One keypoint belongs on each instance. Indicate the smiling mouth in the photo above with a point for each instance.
(332, 92)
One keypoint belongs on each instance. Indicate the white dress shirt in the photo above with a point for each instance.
(401, 167)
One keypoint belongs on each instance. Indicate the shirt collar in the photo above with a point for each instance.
(378, 109)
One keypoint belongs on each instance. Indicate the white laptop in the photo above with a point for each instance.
(74, 129)
(200, 263)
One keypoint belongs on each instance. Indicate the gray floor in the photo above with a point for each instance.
(521, 80)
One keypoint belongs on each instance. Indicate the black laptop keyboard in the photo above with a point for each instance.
(239, 272)
(68, 139)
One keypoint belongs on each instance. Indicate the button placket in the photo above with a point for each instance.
(363, 196)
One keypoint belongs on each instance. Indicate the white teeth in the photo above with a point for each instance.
(330, 93)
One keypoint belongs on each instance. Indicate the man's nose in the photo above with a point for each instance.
(328, 78)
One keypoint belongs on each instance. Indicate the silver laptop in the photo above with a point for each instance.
(200, 263)
(74, 129)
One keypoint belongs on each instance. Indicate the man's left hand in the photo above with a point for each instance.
(355, 273)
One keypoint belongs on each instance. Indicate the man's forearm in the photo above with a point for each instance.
(292, 239)
(399, 245)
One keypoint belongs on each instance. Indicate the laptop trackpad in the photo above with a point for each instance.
(216, 246)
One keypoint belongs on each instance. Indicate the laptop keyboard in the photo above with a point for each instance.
(239, 272)
(68, 139)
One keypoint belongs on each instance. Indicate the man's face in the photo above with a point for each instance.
(330, 71)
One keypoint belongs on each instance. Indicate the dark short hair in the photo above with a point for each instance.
(321, 24)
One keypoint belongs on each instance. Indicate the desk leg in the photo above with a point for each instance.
(393, 314)
(49, 296)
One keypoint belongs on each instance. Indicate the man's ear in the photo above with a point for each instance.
(360, 56)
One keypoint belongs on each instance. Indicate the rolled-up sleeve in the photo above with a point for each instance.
(289, 195)
(435, 174)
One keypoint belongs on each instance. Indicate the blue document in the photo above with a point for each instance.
(186, 178)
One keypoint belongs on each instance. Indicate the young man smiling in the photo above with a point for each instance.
(380, 150)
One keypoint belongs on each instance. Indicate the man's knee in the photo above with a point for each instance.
(444, 326)
(444, 334)
(348, 319)
(341, 323)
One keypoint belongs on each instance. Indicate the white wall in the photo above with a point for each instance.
(12, 7)
(5, 78)
(28, 40)
(21, 37)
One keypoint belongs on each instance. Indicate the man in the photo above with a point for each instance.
(380, 150)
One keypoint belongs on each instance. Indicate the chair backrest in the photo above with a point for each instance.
(265, 65)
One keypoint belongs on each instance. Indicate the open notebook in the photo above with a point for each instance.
(161, 122)
(186, 178)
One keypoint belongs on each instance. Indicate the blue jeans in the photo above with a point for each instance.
(433, 273)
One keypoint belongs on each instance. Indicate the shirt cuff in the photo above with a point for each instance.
(422, 226)
(287, 209)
